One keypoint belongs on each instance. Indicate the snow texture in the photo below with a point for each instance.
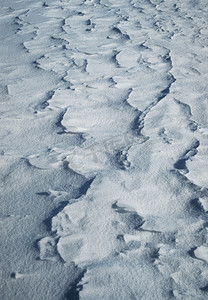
(103, 154)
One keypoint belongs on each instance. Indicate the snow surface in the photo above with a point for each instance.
(103, 153)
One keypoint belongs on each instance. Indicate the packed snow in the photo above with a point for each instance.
(104, 146)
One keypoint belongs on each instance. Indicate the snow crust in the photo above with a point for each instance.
(104, 143)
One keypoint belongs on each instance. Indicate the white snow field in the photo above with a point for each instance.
(103, 149)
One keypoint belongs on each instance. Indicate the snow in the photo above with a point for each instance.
(103, 154)
(202, 253)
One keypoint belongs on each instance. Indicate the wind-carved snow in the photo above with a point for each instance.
(132, 90)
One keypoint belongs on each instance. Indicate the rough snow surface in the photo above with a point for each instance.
(104, 143)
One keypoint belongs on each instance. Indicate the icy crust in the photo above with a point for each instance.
(133, 90)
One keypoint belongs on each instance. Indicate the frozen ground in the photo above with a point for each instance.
(103, 149)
